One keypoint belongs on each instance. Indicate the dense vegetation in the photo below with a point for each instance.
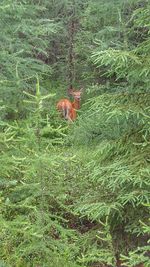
(75, 194)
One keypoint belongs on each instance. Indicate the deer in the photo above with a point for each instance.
(68, 108)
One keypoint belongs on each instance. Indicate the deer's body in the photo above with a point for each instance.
(68, 108)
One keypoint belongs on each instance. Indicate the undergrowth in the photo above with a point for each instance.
(77, 194)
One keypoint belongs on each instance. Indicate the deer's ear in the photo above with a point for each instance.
(82, 89)
(70, 91)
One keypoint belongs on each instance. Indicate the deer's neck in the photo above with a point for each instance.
(76, 104)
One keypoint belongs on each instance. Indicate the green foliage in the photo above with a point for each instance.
(32, 192)
(75, 194)
(115, 124)
(25, 37)
(140, 254)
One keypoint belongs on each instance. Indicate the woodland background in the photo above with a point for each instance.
(76, 195)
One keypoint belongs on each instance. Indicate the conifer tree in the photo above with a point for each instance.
(78, 194)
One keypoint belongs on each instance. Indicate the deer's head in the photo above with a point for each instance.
(75, 94)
